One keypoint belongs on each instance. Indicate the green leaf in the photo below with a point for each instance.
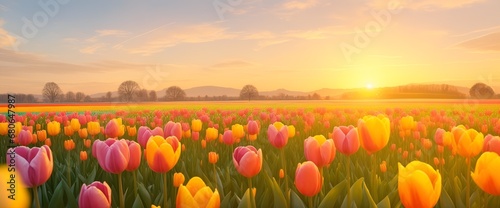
(332, 196)
(57, 197)
(144, 194)
(385, 203)
(367, 197)
(227, 200)
(71, 199)
(356, 193)
(137, 202)
(445, 199)
(279, 198)
(245, 201)
(295, 200)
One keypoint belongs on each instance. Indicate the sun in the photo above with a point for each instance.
(369, 86)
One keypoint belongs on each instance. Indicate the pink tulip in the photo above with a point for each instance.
(135, 156)
(253, 127)
(113, 155)
(195, 136)
(95, 195)
(24, 138)
(173, 129)
(228, 137)
(278, 138)
(143, 135)
(247, 160)
(35, 164)
(491, 144)
(112, 129)
(157, 131)
(438, 136)
(346, 139)
(319, 150)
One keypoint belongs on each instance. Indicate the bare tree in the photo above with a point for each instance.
(87, 98)
(481, 91)
(175, 93)
(153, 96)
(109, 96)
(249, 92)
(70, 96)
(79, 96)
(52, 92)
(127, 90)
(142, 95)
(30, 98)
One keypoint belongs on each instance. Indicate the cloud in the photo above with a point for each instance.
(6, 40)
(489, 42)
(424, 4)
(92, 48)
(163, 38)
(299, 4)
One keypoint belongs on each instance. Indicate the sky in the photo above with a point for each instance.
(92, 46)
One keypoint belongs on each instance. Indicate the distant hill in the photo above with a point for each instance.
(208, 91)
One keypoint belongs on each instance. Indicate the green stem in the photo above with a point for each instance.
(165, 199)
(215, 177)
(252, 201)
(310, 199)
(35, 194)
(134, 175)
(321, 172)
(349, 197)
(467, 193)
(485, 199)
(283, 164)
(374, 178)
(120, 189)
(68, 169)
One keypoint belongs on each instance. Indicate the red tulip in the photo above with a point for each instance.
(34, 164)
(247, 160)
(319, 150)
(346, 139)
(491, 144)
(308, 179)
(113, 155)
(252, 127)
(95, 195)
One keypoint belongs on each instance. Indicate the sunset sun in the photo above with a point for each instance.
(369, 86)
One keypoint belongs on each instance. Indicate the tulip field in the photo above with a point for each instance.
(252, 154)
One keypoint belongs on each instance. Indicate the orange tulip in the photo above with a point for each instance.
(282, 173)
(4, 128)
(486, 173)
(69, 144)
(197, 194)
(82, 133)
(48, 142)
(203, 144)
(178, 179)
(131, 131)
(419, 185)
(68, 131)
(83, 155)
(383, 167)
(87, 143)
(374, 132)
(162, 154)
(308, 179)
(213, 157)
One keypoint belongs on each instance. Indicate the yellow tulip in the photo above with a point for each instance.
(238, 131)
(93, 128)
(486, 173)
(407, 123)
(457, 132)
(53, 128)
(278, 125)
(75, 124)
(197, 195)
(18, 126)
(291, 131)
(448, 139)
(4, 128)
(419, 185)
(162, 154)
(212, 134)
(470, 143)
(374, 132)
(196, 125)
